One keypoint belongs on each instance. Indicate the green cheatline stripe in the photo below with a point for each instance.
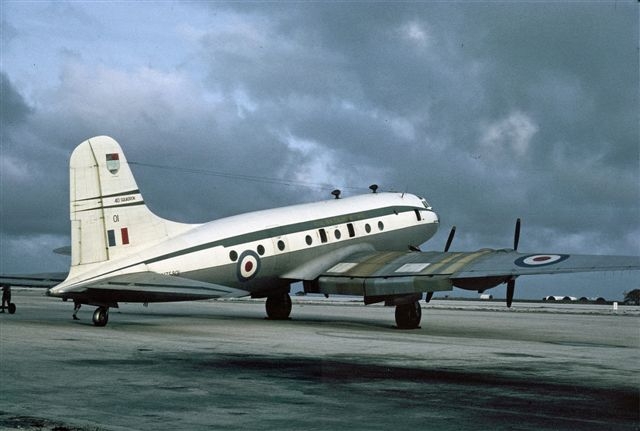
(115, 195)
(285, 230)
(131, 204)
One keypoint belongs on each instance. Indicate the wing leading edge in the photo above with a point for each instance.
(379, 274)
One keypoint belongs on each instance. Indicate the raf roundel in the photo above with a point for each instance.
(540, 260)
(248, 265)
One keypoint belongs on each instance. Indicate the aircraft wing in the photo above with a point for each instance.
(513, 263)
(377, 274)
(143, 286)
(45, 280)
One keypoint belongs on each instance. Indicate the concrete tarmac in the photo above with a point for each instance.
(219, 365)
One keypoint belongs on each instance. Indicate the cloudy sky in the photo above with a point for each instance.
(492, 111)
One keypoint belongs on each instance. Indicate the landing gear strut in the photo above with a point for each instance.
(278, 306)
(101, 316)
(408, 315)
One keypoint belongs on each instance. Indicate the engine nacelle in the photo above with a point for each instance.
(479, 284)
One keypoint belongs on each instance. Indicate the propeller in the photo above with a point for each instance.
(428, 297)
(511, 284)
(511, 287)
(450, 239)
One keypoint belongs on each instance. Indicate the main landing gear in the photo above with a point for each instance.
(101, 316)
(278, 306)
(408, 315)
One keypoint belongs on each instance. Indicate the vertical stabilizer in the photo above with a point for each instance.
(109, 218)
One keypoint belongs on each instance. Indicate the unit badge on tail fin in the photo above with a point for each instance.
(113, 163)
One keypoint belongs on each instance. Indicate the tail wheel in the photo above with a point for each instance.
(12, 308)
(408, 315)
(101, 316)
(278, 307)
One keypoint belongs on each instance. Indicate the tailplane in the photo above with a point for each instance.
(109, 218)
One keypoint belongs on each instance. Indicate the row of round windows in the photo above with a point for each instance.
(233, 255)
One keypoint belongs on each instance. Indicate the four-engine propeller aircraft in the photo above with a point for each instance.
(363, 245)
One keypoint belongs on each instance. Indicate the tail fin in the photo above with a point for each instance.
(109, 218)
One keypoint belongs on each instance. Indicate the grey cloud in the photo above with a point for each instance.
(478, 66)
(13, 107)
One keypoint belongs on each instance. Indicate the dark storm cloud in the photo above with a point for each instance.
(27, 164)
(486, 109)
(26, 222)
(13, 108)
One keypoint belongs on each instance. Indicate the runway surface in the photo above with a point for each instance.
(221, 365)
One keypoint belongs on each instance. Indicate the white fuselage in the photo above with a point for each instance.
(253, 251)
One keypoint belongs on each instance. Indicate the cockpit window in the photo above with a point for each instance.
(425, 203)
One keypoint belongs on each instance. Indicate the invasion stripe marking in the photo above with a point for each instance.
(464, 261)
(388, 263)
(434, 268)
(383, 263)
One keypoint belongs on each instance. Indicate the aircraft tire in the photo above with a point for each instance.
(12, 308)
(101, 316)
(408, 315)
(278, 307)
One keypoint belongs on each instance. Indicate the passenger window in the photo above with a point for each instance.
(281, 245)
(309, 240)
(380, 226)
(323, 235)
(367, 228)
(337, 234)
(352, 231)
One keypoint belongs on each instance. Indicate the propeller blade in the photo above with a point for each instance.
(511, 287)
(516, 236)
(428, 297)
(450, 239)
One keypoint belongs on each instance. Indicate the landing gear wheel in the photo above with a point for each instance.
(408, 315)
(278, 307)
(101, 316)
(12, 308)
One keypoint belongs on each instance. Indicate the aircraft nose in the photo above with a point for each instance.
(435, 218)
